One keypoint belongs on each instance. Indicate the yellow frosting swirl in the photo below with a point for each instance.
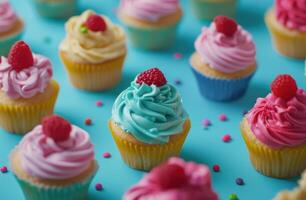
(92, 47)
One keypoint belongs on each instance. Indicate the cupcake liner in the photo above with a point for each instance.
(287, 42)
(218, 89)
(154, 38)
(94, 77)
(7, 42)
(55, 9)
(209, 9)
(143, 156)
(20, 118)
(277, 163)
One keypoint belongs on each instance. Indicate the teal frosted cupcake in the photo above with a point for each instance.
(208, 9)
(151, 24)
(55, 8)
(54, 161)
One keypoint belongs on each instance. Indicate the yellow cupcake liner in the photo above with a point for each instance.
(21, 118)
(94, 77)
(287, 42)
(277, 163)
(144, 156)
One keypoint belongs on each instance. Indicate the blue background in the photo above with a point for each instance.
(202, 145)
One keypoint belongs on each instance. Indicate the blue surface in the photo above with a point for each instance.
(203, 146)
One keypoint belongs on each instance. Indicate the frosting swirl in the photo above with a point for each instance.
(150, 113)
(226, 54)
(279, 123)
(149, 10)
(93, 47)
(291, 13)
(7, 16)
(162, 183)
(42, 157)
(27, 82)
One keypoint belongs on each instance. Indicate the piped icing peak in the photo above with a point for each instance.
(7, 16)
(20, 56)
(174, 180)
(226, 25)
(152, 77)
(284, 86)
(56, 128)
(96, 23)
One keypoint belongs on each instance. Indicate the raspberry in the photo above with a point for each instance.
(152, 77)
(95, 23)
(284, 86)
(20, 56)
(56, 127)
(170, 176)
(225, 25)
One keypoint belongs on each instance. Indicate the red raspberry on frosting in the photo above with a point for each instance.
(20, 56)
(152, 77)
(226, 25)
(56, 127)
(284, 86)
(95, 23)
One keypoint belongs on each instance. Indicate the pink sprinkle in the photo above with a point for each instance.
(178, 55)
(99, 103)
(4, 169)
(216, 168)
(99, 187)
(206, 122)
(226, 138)
(223, 117)
(107, 155)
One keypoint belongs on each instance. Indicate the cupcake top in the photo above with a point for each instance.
(150, 109)
(291, 14)
(174, 180)
(149, 10)
(279, 119)
(24, 74)
(7, 16)
(56, 150)
(93, 38)
(226, 46)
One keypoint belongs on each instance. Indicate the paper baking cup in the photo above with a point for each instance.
(94, 77)
(20, 119)
(56, 9)
(7, 42)
(209, 9)
(143, 156)
(221, 89)
(277, 163)
(154, 38)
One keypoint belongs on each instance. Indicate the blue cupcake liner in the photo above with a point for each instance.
(217, 89)
(7, 42)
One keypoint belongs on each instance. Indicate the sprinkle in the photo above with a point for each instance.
(233, 197)
(99, 187)
(4, 169)
(88, 121)
(216, 168)
(206, 123)
(83, 29)
(107, 155)
(99, 103)
(223, 117)
(177, 55)
(226, 138)
(177, 82)
(239, 181)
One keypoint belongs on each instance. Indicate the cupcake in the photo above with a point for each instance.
(149, 123)
(54, 161)
(209, 9)
(27, 91)
(55, 8)
(151, 24)
(287, 25)
(174, 180)
(275, 130)
(93, 52)
(11, 27)
(224, 61)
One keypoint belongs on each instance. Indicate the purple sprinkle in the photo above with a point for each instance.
(178, 55)
(206, 122)
(99, 187)
(239, 181)
(177, 82)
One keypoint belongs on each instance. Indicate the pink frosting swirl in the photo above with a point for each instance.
(292, 14)
(27, 82)
(7, 16)
(279, 123)
(223, 53)
(149, 10)
(42, 157)
(195, 183)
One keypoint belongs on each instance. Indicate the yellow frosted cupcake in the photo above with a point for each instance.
(93, 51)
(54, 161)
(275, 130)
(27, 91)
(287, 25)
(149, 123)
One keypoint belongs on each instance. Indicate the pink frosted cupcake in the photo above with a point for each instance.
(174, 180)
